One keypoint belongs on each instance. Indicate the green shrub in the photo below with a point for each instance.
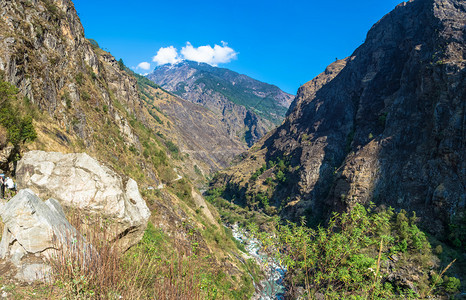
(281, 164)
(172, 148)
(457, 229)
(79, 78)
(121, 64)
(66, 97)
(383, 119)
(18, 125)
(258, 172)
(53, 9)
(156, 118)
(94, 43)
(133, 149)
(343, 260)
(263, 199)
(85, 96)
(197, 170)
(281, 177)
(268, 181)
(451, 284)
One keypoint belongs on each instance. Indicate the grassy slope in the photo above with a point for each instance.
(148, 156)
(189, 225)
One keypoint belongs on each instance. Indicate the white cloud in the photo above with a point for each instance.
(167, 55)
(144, 66)
(207, 54)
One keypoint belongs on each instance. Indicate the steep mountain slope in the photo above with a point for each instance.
(80, 99)
(385, 125)
(247, 107)
(198, 132)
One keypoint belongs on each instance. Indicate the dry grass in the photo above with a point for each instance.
(141, 273)
(3, 137)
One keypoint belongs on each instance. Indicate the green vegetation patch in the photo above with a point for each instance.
(356, 256)
(13, 116)
(268, 108)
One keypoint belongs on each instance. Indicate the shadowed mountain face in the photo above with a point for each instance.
(248, 108)
(385, 125)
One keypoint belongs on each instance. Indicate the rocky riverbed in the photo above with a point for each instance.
(272, 286)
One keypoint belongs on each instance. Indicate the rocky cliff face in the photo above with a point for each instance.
(248, 108)
(45, 54)
(385, 125)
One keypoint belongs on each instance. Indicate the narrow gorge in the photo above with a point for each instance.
(193, 181)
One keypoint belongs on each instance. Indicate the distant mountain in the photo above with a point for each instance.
(197, 131)
(248, 108)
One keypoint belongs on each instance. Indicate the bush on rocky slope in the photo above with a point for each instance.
(360, 254)
(17, 122)
(157, 268)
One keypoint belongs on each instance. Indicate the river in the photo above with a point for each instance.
(272, 286)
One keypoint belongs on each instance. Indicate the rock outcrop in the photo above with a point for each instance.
(45, 54)
(78, 181)
(6, 151)
(248, 108)
(33, 232)
(385, 125)
(6, 158)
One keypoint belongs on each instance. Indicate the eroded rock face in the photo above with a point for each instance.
(384, 125)
(42, 51)
(34, 230)
(5, 158)
(79, 181)
(6, 150)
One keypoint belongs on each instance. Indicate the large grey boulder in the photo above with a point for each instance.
(78, 181)
(33, 233)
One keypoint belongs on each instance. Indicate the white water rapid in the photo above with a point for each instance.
(272, 286)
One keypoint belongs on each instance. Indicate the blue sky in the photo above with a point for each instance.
(285, 43)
